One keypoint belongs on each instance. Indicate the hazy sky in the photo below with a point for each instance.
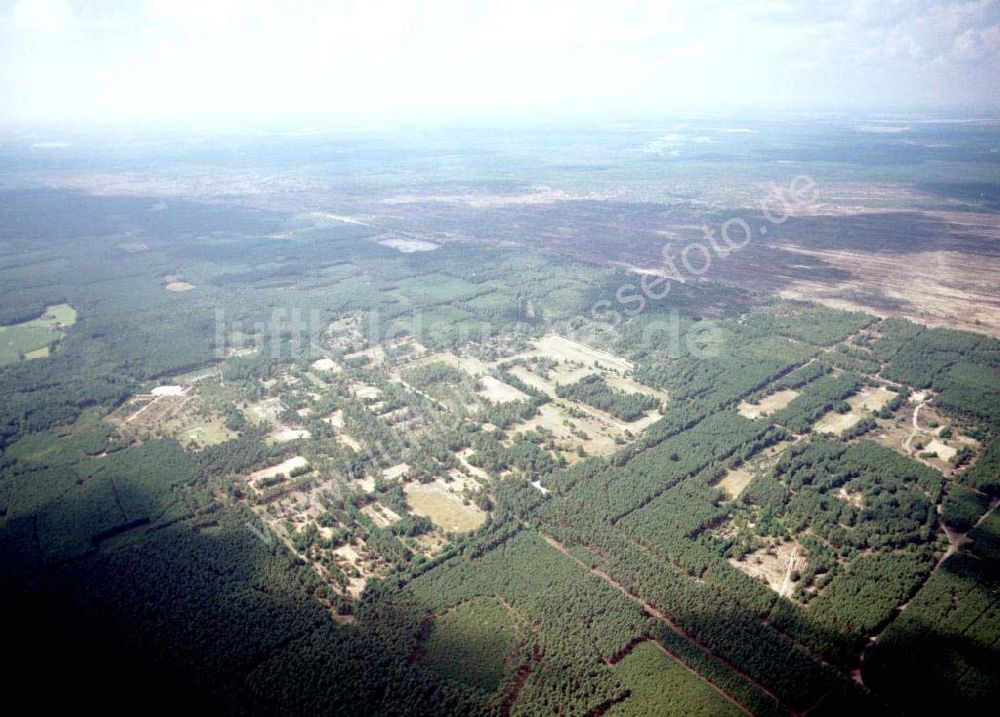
(193, 59)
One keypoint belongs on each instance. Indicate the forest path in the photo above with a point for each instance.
(653, 611)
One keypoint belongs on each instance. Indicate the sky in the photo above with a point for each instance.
(170, 60)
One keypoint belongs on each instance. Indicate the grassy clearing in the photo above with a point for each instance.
(661, 687)
(470, 643)
(31, 339)
(444, 508)
(734, 482)
(205, 434)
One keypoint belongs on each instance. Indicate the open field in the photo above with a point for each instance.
(773, 565)
(735, 480)
(768, 405)
(285, 467)
(443, 507)
(568, 350)
(31, 339)
(408, 246)
(599, 432)
(325, 365)
(499, 392)
(868, 399)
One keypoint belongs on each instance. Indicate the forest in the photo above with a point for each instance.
(406, 506)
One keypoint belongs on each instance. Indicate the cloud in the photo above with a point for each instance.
(168, 58)
(51, 17)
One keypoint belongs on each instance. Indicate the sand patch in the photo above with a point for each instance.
(409, 246)
(499, 392)
(862, 403)
(289, 434)
(767, 405)
(397, 471)
(734, 481)
(326, 365)
(774, 565)
(944, 452)
(168, 391)
(286, 467)
(265, 411)
(565, 349)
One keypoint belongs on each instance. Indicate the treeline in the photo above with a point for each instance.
(822, 395)
(811, 488)
(594, 391)
(630, 485)
(726, 629)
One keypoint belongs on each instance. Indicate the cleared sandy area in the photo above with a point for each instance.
(326, 365)
(382, 517)
(944, 452)
(735, 480)
(775, 568)
(289, 434)
(168, 391)
(500, 392)
(767, 405)
(396, 471)
(864, 402)
(408, 246)
(265, 411)
(559, 347)
(286, 467)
